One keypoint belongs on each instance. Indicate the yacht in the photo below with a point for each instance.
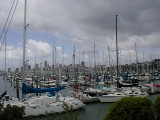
(43, 105)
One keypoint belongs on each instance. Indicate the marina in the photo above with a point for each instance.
(59, 56)
(94, 111)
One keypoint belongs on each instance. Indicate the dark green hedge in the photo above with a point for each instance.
(131, 108)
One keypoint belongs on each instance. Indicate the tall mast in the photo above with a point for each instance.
(136, 59)
(130, 68)
(74, 56)
(117, 55)
(103, 59)
(74, 62)
(5, 75)
(110, 66)
(95, 58)
(24, 42)
(54, 53)
(63, 54)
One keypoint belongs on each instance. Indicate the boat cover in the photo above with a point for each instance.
(26, 89)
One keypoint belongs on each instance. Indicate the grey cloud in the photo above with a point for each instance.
(94, 21)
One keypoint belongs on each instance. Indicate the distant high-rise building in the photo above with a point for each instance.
(45, 64)
(29, 67)
(83, 64)
(36, 67)
(9, 70)
(17, 70)
(52, 67)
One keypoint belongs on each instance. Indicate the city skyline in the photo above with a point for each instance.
(57, 26)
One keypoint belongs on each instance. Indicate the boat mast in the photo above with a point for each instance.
(117, 55)
(5, 75)
(110, 66)
(136, 60)
(74, 72)
(24, 44)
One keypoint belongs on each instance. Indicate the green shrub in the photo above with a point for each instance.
(157, 107)
(130, 108)
(11, 112)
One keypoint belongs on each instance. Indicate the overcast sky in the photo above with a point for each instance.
(65, 23)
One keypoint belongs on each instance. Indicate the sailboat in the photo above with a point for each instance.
(40, 105)
(130, 81)
(121, 93)
(115, 96)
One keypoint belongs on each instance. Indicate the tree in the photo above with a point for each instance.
(1, 113)
(131, 108)
(157, 107)
(11, 112)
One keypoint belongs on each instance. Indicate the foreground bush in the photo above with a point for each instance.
(130, 108)
(11, 112)
(157, 107)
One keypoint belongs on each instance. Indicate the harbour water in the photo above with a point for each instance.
(96, 111)
(92, 111)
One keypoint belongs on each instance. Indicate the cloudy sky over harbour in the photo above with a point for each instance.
(65, 23)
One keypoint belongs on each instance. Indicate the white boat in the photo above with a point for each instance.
(41, 105)
(112, 97)
(93, 91)
(125, 92)
(85, 98)
(71, 101)
(63, 83)
(134, 92)
(153, 88)
(49, 83)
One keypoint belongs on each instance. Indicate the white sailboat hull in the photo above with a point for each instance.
(110, 98)
(43, 105)
(56, 107)
(43, 110)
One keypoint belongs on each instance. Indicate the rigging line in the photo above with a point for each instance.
(9, 23)
(12, 17)
(7, 20)
(5, 17)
